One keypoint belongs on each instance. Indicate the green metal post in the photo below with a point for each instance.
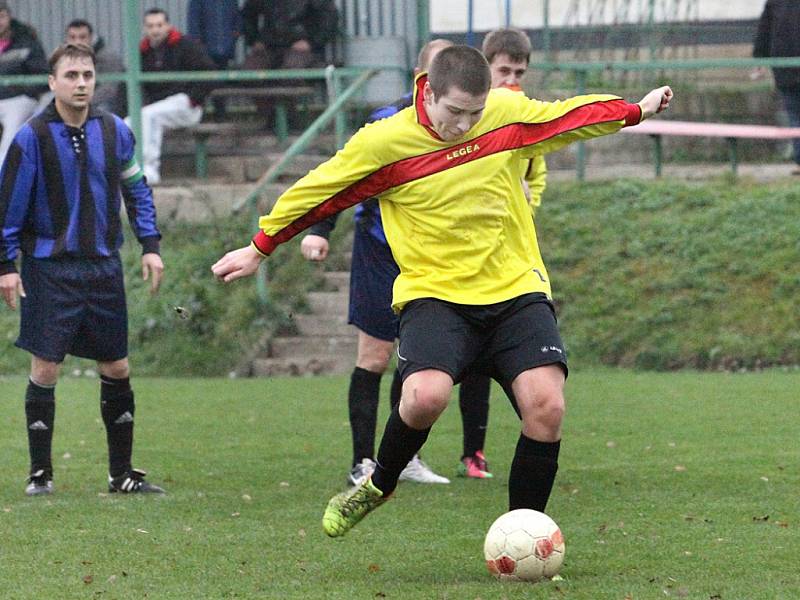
(281, 122)
(546, 30)
(423, 22)
(651, 27)
(580, 166)
(201, 157)
(733, 155)
(658, 154)
(340, 120)
(134, 68)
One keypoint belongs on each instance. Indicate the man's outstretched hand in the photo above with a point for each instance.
(236, 264)
(655, 101)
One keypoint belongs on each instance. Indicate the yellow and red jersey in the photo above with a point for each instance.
(454, 213)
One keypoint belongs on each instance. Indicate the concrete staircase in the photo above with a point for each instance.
(324, 343)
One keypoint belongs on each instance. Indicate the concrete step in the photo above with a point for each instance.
(329, 303)
(303, 367)
(334, 324)
(322, 346)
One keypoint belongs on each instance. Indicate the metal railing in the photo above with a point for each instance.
(250, 202)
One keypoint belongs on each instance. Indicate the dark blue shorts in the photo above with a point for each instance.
(73, 306)
(372, 274)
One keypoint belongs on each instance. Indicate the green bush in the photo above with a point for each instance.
(664, 275)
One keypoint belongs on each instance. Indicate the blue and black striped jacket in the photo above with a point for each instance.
(56, 201)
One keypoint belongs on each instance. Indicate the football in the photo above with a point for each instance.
(524, 545)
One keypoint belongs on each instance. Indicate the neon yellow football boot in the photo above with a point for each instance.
(346, 509)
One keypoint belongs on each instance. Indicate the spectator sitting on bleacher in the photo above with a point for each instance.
(168, 104)
(216, 24)
(21, 53)
(288, 34)
(108, 96)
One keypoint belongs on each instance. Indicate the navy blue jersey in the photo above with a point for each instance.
(60, 190)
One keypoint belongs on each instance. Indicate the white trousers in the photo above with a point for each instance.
(13, 114)
(172, 112)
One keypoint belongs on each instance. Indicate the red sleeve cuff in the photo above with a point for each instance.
(264, 244)
(634, 115)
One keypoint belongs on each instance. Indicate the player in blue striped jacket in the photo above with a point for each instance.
(59, 208)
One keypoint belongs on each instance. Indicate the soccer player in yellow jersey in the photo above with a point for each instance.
(472, 283)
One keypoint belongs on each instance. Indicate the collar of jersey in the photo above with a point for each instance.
(51, 114)
(419, 105)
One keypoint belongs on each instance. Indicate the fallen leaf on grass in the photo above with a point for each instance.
(87, 579)
(373, 568)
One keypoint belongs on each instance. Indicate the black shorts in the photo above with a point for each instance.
(372, 274)
(500, 340)
(73, 306)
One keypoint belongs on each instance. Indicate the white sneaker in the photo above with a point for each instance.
(361, 472)
(418, 471)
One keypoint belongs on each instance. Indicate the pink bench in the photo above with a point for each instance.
(657, 128)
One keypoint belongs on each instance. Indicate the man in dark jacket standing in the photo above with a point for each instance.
(778, 36)
(168, 104)
(21, 53)
(290, 34)
(216, 24)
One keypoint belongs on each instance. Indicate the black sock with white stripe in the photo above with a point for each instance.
(117, 408)
(40, 413)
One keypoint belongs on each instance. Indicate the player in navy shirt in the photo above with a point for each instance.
(60, 189)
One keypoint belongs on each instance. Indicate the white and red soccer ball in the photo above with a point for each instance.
(524, 545)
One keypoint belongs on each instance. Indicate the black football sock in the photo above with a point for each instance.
(117, 408)
(40, 413)
(533, 472)
(399, 445)
(473, 398)
(362, 400)
(396, 390)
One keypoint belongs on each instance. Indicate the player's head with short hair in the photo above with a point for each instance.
(511, 41)
(5, 18)
(455, 94)
(70, 51)
(429, 51)
(156, 26)
(72, 77)
(459, 66)
(79, 31)
(508, 52)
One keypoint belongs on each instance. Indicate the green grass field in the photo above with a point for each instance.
(680, 485)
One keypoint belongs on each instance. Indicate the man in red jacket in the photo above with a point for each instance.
(168, 104)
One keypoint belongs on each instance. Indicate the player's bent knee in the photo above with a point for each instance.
(427, 392)
(118, 369)
(44, 372)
